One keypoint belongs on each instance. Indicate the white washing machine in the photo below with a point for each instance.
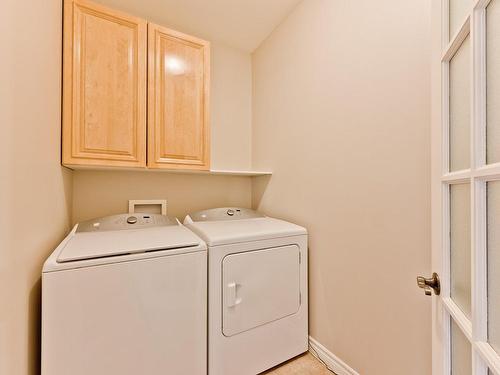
(257, 289)
(125, 295)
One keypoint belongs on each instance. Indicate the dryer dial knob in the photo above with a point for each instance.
(131, 220)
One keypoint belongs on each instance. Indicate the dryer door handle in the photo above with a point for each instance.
(232, 294)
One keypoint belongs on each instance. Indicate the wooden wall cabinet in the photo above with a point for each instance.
(104, 92)
(105, 81)
(178, 94)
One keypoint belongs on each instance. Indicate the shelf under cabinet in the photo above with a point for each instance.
(219, 172)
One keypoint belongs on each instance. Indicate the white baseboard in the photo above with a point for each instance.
(331, 360)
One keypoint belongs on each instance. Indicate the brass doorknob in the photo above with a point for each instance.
(427, 285)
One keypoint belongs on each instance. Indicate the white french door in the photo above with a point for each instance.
(466, 315)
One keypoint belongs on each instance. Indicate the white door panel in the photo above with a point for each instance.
(465, 185)
(253, 295)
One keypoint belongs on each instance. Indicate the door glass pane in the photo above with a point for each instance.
(493, 82)
(494, 264)
(458, 12)
(460, 253)
(460, 108)
(461, 352)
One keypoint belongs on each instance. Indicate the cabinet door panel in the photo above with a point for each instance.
(104, 86)
(178, 100)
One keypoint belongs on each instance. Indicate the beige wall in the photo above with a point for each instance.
(35, 191)
(231, 108)
(341, 114)
(231, 87)
(100, 193)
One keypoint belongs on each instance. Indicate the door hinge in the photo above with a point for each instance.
(300, 298)
(300, 257)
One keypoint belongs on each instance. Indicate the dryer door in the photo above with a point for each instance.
(259, 287)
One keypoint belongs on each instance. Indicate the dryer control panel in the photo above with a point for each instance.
(124, 222)
(225, 213)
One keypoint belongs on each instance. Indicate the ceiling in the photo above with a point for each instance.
(242, 24)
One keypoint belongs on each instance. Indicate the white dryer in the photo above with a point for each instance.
(257, 289)
(125, 295)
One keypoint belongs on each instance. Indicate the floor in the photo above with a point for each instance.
(305, 364)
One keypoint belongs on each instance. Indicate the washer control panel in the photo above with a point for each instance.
(124, 222)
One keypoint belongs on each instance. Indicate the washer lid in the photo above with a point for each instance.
(93, 245)
(226, 232)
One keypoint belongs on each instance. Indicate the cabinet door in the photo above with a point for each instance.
(104, 98)
(178, 94)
